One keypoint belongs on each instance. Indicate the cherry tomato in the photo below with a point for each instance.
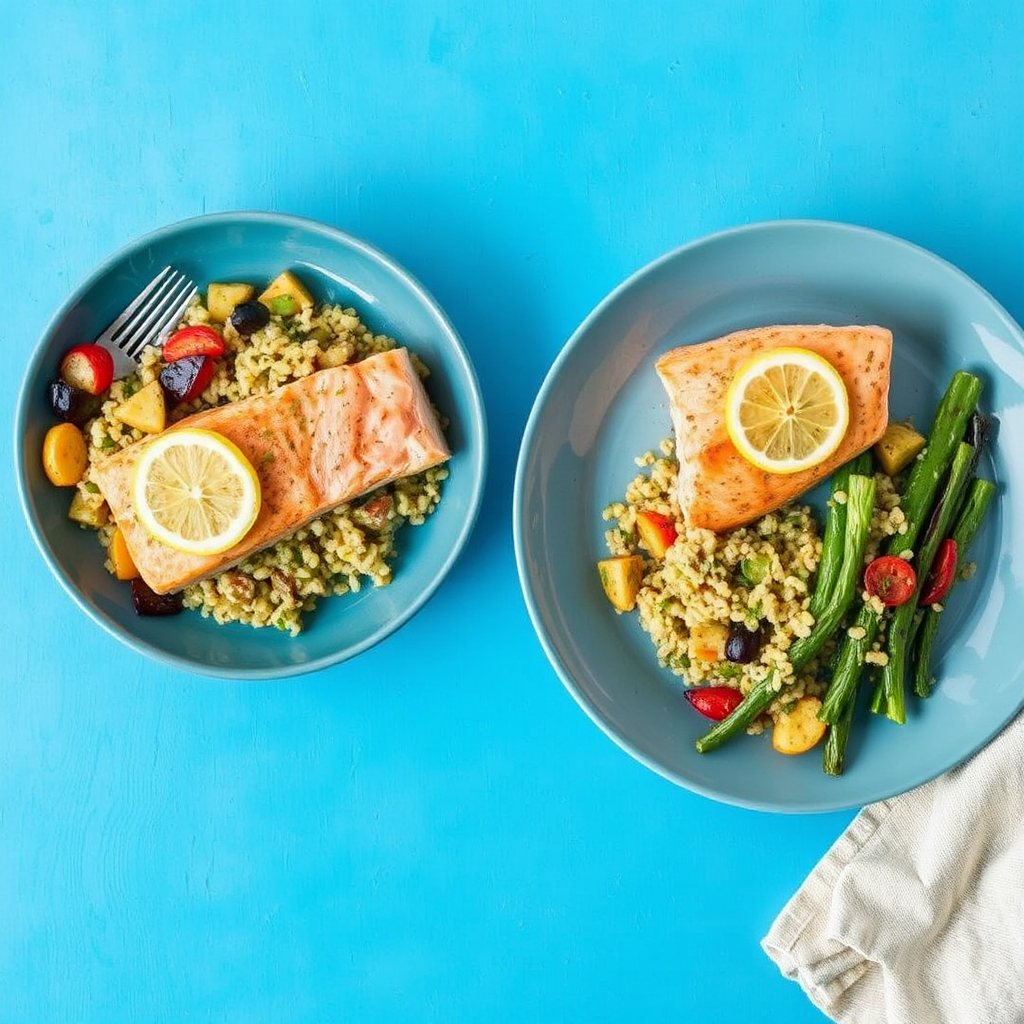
(940, 579)
(891, 579)
(199, 340)
(716, 702)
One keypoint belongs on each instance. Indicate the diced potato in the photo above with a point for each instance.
(800, 729)
(221, 298)
(65, 455)
(89, 509)
(898, 447)
(657, 532)
(707, 641)
(283, 286)
(621, 577)
(121, 558)
(146, 410)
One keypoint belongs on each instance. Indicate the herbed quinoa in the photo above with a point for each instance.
(334, 554)
(705, 587)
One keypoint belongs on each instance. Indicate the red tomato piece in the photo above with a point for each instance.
(657, 532)
(89, 368)
(940, 579)
(715, 702)
(891, 579)
(199, 340)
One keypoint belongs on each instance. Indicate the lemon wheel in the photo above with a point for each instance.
(787, 410)
(195, 491)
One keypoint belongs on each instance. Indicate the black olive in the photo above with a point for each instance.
(743, 644)
(147, 601)
(72, 404)
(249, 317)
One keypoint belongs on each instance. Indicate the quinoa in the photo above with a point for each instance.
(703, 588)
(335, 554)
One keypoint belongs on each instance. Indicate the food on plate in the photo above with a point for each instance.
(714, 702)
(286, 295)
(197, 340)
(65, 455)
(191, 489)
(89, 368)
(898, 447)
(786, 410)
(224, 297)
(71, 404)
(799, 729)
(315, 444)
(621, 577)
(321, 530)
(890, 579)
(718, 488)
(145, 409)
(788, 615)
(121, 561)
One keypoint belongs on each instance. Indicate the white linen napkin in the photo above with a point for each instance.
(916, 914)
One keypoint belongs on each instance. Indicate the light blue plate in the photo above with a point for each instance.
(602, 404)
(338, 268)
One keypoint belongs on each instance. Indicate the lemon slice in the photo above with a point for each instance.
(786, 410)
(195, 491)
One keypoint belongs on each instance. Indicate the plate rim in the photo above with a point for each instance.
(476, 430)
(548, 384)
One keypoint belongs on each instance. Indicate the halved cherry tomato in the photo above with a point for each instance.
(716, 702)
(89, 368)
(199, 340)
(940, 579)
(891, 579)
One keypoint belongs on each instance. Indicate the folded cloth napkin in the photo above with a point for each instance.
(916, 914)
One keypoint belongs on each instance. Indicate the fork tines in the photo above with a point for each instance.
(156, 309)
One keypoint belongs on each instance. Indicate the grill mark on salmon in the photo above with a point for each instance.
(718, 489)
(315, 444)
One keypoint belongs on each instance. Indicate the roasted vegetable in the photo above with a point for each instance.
(221, 299)
(798, 730)
(121, 558)
(89, 509)
(657, 532)
(891, 579)
(707, 641)
(198, 340)
(146, 410)
(89, 368)
(147, 601)
(286, 294)
(72, 405)
(898, 447)
(621, 577)
(186, 379)
(714, 702)
(65, 455)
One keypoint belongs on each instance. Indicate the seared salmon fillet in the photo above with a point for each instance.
(315, 444)
(718, 488)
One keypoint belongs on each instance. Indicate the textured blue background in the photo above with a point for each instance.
(433, 832)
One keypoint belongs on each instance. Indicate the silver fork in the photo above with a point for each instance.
(151, 314)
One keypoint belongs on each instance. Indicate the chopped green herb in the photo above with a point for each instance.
(91, 487)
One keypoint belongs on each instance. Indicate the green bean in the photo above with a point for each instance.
(892, 682)
(831, 559)
(833, 757)
(843, 687)
(978, 498)
(860, 503)
(931, 467)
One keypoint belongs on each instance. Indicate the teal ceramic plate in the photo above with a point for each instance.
(602, 404)
(339, 268)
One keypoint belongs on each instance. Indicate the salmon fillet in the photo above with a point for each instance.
(718, 488)
(315, 444)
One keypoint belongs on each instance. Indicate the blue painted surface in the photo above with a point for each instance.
(433, 831)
